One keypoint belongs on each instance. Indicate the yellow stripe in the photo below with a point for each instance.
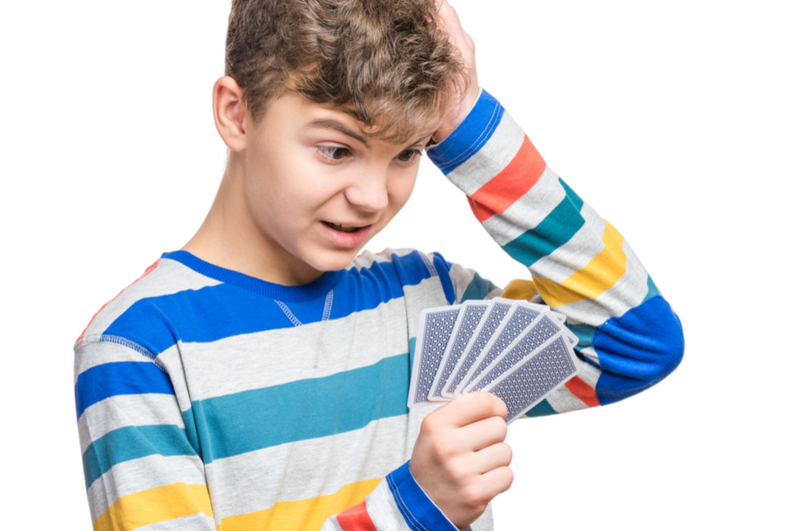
(153, 506)
(601, 274)
(519, 289)
(303, 515)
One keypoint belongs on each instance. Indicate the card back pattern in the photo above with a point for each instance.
(529, 383)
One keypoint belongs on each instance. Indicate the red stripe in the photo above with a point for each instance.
(515, 180)
(583, 391)
(83, 335)
(356, 519)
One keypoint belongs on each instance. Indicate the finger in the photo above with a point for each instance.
(471, 408)
(494, 482)
(491, 458)
(483, 433)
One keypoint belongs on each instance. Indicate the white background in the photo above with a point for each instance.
(673, 119)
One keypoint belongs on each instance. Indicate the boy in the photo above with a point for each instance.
(257, 378)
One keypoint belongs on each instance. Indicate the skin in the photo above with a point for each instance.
(293, 180)
(296, 183)
(460, 458)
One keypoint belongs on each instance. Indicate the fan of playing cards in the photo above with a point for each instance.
(515, 350)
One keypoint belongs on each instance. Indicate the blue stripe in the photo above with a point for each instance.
(473, 133)
(419, 512)
(133, 442)
(541, 409)
(637, 350)
(306, 409)
(194, 316)
(584, 332)
(120, 378)
(477, 289)
(557, 228)
(652, 290)
(443, 268)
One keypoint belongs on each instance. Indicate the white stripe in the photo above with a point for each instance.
(493, 294)
(169, 277)
(359, 340)
(367, 258)
(591, 354)
(627, 293)
(461, 278)
(588, 373)
(127, 410)
(562, 400)
(93, 353)
(320, 466)
(331, 525)
(485, 522)
(427, 294)
(384, 511)
(576, 253)
(527, 212)
(193, 522)
(490, 159)
(142, 474)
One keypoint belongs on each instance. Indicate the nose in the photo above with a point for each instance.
(368, 192)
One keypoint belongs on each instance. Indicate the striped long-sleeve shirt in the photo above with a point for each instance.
(208, 399)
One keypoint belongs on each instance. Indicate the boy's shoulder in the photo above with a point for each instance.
(178, 280)
(166, 276)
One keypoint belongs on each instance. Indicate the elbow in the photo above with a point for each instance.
(638, 350)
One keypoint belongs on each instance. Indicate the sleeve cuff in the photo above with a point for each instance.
(418, 510)
(470, 136)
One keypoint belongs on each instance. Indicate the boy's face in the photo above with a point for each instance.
(316, 189)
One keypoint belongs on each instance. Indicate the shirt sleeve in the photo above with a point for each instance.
(140, 458)
(581, 266)
(397, 504)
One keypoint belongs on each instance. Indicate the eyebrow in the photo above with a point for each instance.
(338, 126)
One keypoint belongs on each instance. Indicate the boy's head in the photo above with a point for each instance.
(326, 107)
(384, 61)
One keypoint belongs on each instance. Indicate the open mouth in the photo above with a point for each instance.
(342, 228)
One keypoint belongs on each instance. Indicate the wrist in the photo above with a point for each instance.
(417, 508)
(460, 114)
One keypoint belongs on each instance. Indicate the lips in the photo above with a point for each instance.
(342, 228)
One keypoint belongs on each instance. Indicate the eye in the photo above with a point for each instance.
(334, 152)
(408, 155)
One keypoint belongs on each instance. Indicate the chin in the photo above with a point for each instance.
(339, 260)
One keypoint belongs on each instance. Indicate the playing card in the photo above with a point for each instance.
(531, 339)
(498, 309)
(435, 327)
(468, 319)
(571, 337)
(516, 321)
(534, 378)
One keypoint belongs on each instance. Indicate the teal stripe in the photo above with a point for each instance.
(584, 332)
(477, 289)
(132, 442)
(556, 229)
(306, 409)
(653, 291)
(542, 409)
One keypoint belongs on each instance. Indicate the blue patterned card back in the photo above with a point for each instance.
(537, 376)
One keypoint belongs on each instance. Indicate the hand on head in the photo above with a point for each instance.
(460, 458)
(461, 103)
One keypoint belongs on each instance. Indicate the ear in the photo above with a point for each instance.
(229, 112)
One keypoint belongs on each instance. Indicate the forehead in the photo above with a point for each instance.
(392, 125)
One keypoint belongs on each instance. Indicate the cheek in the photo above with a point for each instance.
(400, 191)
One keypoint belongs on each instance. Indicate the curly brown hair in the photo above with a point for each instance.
(385, 62)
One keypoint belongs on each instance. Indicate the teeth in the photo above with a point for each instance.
(342, 228)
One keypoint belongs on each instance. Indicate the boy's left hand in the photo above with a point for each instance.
(461, 103)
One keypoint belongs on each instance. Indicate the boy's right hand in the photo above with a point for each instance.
(460, 458)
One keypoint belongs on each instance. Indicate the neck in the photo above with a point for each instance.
(229, 237)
